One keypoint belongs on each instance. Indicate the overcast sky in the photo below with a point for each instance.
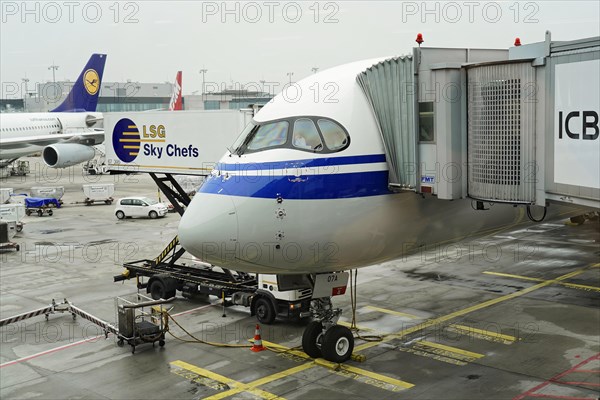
(241, 42)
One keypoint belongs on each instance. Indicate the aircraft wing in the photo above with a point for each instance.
(89, 138)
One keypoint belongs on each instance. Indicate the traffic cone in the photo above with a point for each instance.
(257, 346)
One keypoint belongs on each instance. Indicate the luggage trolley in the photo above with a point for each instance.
(141, 320)
(40, 205)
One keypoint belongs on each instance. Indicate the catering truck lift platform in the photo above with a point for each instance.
(166, 276)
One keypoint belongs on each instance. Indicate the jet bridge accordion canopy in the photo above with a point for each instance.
(389, 88)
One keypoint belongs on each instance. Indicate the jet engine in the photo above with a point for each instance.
(63, 155)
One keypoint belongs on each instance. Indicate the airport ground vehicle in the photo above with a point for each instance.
(98, 193)
(40, 205)
(139, 207)
(259, 292)
(13, 213)
(136, 324)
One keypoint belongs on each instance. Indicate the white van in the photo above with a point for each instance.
(139, 207)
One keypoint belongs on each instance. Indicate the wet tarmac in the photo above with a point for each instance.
(514, 314)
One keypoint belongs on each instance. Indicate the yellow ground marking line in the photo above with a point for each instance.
(468, 310)
(251, 387)
(528, 278)
(494, 336)
(397, 313)
(349, 325)
(465, 353)
(237, 386)
(335, 367)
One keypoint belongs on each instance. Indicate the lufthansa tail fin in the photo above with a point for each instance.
(176, 102)
(84, 94)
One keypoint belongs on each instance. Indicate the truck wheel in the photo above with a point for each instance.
(50, 212)
(28, 212)
(311, 339)
(338, 343)
(40, 213)
(153, 214)
(109, 202)
(159, 290)
(120, 214)
(19, 228)
(265, 313)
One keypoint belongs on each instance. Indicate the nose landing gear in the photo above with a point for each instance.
(323, 337)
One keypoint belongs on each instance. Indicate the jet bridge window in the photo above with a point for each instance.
(426, 131)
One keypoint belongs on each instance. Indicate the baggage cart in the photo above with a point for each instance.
(40, 205)
(141, 320)
(98, 193)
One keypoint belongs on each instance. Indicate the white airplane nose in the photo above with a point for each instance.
(209, 228)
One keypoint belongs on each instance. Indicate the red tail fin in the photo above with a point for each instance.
(176, 99)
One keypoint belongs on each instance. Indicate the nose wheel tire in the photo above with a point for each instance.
(338, 343)
(312, 338)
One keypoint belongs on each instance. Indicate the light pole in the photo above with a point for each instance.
(262, 85)
(54, 67)
(25, 81)
(203, 71)
(314, 69)
(290, 74)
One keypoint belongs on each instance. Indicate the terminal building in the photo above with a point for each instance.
(135, 96)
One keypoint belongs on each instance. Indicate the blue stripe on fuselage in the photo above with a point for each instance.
(318, 186)
(307, 163)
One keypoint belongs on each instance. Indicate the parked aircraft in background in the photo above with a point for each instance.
(65, 135)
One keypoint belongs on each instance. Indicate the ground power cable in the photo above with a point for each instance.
(353, 298)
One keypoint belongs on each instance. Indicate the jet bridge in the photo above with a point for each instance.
(516, 126)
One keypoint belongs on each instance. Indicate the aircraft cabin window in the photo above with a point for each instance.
(306, 136)
(268, 135)
(333, 134)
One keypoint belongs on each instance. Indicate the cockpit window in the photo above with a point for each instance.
(313, 134)
(237, 146)
(333, 134)
(268, 135)
(306, 136)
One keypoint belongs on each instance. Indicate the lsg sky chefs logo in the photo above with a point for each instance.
(129, 142)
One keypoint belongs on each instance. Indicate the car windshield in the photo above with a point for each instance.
(149, 201)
